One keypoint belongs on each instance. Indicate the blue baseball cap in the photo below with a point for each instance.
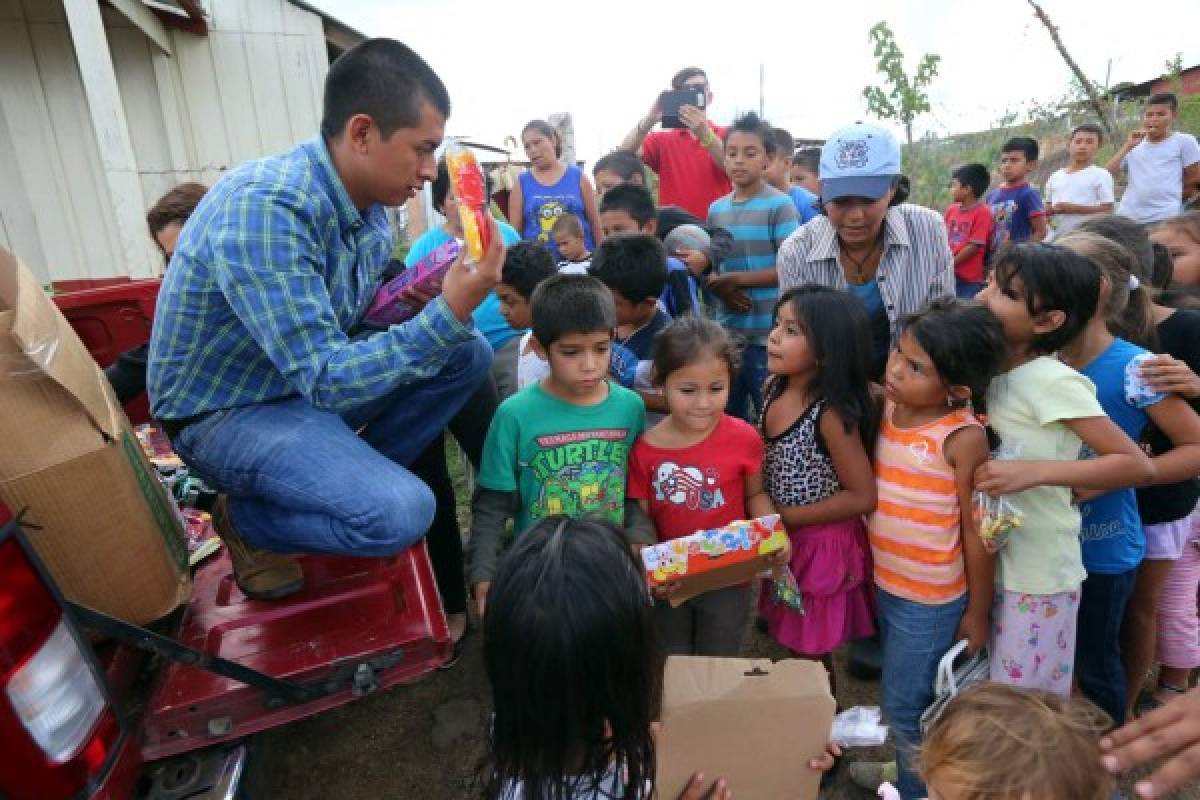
(859, 160)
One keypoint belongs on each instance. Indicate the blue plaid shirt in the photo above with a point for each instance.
(270, 273)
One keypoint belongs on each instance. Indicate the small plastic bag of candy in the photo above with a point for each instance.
(996, 519)
(470, 189)
(785, 590)
(860, 726)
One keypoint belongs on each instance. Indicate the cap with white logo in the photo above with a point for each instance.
(859, 160)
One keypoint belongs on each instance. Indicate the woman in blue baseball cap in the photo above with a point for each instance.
(892, 255)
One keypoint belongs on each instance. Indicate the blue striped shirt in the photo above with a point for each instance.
(759, 225)
(270, 273)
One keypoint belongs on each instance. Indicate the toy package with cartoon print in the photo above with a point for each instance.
(391, 305)
(714, 558)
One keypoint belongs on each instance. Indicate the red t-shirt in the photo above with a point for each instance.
(687, 175)
(697, 487)
(973, 226)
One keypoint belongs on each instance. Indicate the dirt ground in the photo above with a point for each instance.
(427, 740)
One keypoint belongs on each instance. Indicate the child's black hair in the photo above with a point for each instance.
(754, 125)
(1024, 145)
(567, 225)
(622, 163)
(526, 264)
(839, 335)
(573, 659)
(566, 304)
(688, 340)
(975, 177)
(440, 187)
(632, 264)
(1128, 311)
(1089, 127)
(634, 200)
(965, 341)
(809, 158)
(1052, 278)
(1167, 99)
(784, 143)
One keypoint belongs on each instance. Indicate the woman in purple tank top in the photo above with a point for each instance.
(550, 190)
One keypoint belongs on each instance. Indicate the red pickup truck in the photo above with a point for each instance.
(93, 707)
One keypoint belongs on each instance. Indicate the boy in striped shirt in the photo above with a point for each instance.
(760, 217)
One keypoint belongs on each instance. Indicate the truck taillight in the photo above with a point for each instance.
(57, 697)
(57, 729)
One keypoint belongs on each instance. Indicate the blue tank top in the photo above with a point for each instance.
(545, 204)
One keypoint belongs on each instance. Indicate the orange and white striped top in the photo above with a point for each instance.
(915, 530)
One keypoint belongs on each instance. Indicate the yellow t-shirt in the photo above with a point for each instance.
(1026, 408)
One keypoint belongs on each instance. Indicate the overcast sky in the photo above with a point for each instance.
(607, 64)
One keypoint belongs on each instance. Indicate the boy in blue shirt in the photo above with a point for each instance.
(779, 176)
(560, 446)
(760, 217)
(1017, 211)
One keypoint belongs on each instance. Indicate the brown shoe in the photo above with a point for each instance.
(261, 574)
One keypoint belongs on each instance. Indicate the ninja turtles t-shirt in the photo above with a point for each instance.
(562, 458)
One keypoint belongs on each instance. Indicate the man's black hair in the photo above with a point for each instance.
(686, 74)
(1052, 279)
(1022, 144)
(633, 264)
(385, 80)
(526, 264)
(755, 125)
(975, 177)
(1089, 127)
(634, 200)
(622, 163)
(1163, 99)
(566, 304)
(809, 158)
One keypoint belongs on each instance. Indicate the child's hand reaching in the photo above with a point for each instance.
(825, 762)
(975, 628)
(997, 477)
(783, 557)
(695, 789)
(1171, 732)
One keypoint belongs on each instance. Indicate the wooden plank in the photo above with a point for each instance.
(302, 99)
(11, 11)
(132, 63)
(263, 16)
(176, 126)
(226, 15)
(266, 82)
(112, 133)
(239, 115)
(295, 20)
(17, 224)
(35, 159)
(145, 21)
(37, 11)
(202, 101)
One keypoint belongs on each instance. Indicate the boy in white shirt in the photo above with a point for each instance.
(1080, 188)
(1160, 162)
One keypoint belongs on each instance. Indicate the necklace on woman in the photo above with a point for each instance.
(859, 264)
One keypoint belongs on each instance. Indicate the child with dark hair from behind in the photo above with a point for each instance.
(567, 235)
(806, 169)
(996, 742)
(560, 446)
(1017, 211)
(694, 360)
(969, 226)
(619, 166)
(628, 208)
(526, 264)
(779, 176)
(576, 672)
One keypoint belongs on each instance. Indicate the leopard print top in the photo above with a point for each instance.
(797, 470)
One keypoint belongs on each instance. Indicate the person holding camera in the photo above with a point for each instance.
(688, 154)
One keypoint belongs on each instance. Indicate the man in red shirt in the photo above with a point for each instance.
(690, 161)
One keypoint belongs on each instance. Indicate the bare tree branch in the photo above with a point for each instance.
(1098, 104)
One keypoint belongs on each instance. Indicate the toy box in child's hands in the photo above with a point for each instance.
(390, 306)
(755, 723)
(714, 558)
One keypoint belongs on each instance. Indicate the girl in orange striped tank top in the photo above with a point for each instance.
(933, 577)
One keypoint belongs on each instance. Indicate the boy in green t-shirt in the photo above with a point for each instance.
(560, 446)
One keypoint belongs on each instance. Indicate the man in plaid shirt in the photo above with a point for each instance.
(252, 370)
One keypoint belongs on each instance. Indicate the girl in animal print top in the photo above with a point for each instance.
(817, 421)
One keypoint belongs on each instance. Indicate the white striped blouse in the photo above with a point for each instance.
(916, 267)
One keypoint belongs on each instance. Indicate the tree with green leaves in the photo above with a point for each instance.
(903, 98)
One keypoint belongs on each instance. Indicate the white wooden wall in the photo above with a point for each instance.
(251, 87)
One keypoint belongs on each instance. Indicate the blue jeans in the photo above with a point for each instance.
(915, 637)
(300, 479)
(746, 393)
(966, 290)
(1098, 666)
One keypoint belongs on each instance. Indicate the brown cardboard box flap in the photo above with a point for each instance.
(754, 722)
(51, 345)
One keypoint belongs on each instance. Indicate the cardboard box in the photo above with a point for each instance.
(105, 528)
(715, 558)
(753, 722)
